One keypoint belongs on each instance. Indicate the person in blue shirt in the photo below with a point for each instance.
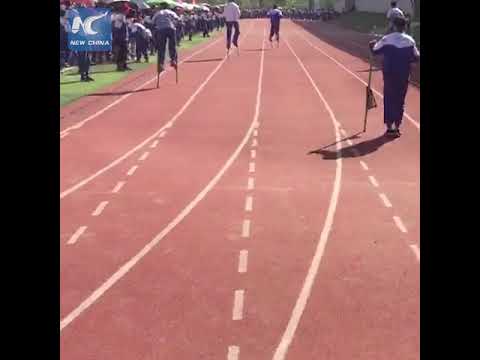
(275, 15)
(399, 52)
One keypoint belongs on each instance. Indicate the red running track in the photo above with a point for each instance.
(222, 237)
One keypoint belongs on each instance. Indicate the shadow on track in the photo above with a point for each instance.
(113, 93)
(202, 60)
(363, 148)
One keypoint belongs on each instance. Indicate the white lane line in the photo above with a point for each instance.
(344, 133)
(253, 154)
(300, 304)
(413, 121)
(76, 235)
(399, 224)
(154, 144)
(249, 203)
(117, 187)
(246, 228)
(233, 352)
(255, 133)
(237, 313)
(416, 251)
(125, 268)
(254, 142)
(63, 135)
(385, 200)
(349, 142)
(373, 180)
(132, 170)
(146, 141)
(251, 183)
(163, 133)
(364, 165)
(144, 156)
(119, 100)
(243, 261)
(100, 208)
(251, 167)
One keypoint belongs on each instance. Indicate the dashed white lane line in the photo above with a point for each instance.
(126, 267)
(243, 261)
(144, 156)
(364, 165)
(117, 187)
(251, 183)
(416, 251)
(255, 133)
(373, 180)
(100, 208)
(163, 133)
(253, 154)
(154, 144)
(302, 299)
(399, 224)
(251, 167)
(385, 200)
(233, 352)
(237, 313)
(349, 142)
(249, 203)
(254, 142)
(132, 170)
(76, 235)
(246, 228)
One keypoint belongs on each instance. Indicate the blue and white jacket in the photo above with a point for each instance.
(399, 51)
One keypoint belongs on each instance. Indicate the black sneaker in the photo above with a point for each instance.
(88, 78)
(390, 132)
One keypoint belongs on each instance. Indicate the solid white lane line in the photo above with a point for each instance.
(132, 170)
(300, 304)
(243, 261)
(126, 267)
(88, 179)
(373, 180)
(237, 313)
(64, 134)
(385, 200)
(100, 208)
(119, 100)
(76, 235)
(163, 133)
(399, 224)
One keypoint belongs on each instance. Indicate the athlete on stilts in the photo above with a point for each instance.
(275, 15)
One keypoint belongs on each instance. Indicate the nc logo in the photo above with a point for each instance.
(86, 25)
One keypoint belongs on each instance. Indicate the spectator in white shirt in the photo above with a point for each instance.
(231, 12)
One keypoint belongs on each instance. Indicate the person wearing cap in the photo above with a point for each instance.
(399, 52)
(164, 22)
(231, 12)
(392, 13)
(275, 15)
